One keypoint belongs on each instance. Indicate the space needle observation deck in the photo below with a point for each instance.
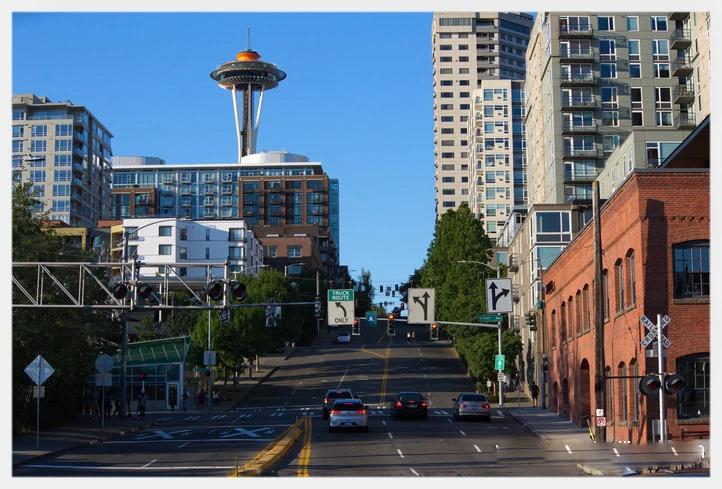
(247, 75)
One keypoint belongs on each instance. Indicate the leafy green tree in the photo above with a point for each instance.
(69, 339)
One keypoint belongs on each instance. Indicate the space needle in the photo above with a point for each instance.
(247, 75)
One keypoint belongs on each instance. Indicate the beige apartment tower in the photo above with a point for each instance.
(468, 49)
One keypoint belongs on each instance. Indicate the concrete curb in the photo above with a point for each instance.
(530, 428)
(272, 457)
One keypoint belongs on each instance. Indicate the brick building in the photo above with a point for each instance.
(655, 233)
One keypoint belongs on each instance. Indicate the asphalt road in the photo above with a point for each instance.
(374, 367)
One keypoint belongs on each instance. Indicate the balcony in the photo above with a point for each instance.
(571, 176)
(227, 178)
(678, 15)
(570, 128)
(226, 201)
(515, 293)
(581, 102)
(682, 66)
(208, 201)
(77, 167)
(578, 79)
(185, 202)
(574, 54)
(680, 39)
(581, 152)
(569, 31)
(209, 189)
(683, 94)
(685, 121)
(227, 189)
(186, 178)
(80, 152)
(185, 190)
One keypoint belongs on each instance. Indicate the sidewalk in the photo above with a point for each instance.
(86, 431)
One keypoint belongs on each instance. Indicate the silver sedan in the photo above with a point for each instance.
(472, 405)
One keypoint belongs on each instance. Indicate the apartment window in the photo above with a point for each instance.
(446, 83)
(447, 155)
(208, 253)
(18, 131)
(464, 107)
(660, 50)
(463, 47)
(636, 98)
(631, 279)
(447, 118)
(448, 191)
(165, 249)
(208, 234)
(64, 130)
(463, 83)
(183, 252)
(183, 234)
(661, 70)
(586, 318)
(446, 71)
(605, 294)
(695, 403)
(445, 59)
(632, 23)
(445, 47)
(17, 146)
(463, 71)
(40, 131)
(608, 70)
(691, 269)
(447, 107)
(610, 98)
(61, 205)
(610, 118)
(235, 252)
(236, 234)
(554, 329)
(635, 70)
(445, 35)
(447, 179)
(38, 176)
(658, 23)
(447, 94)
(570, 318)
(272, 251)
(563, 321)
(447, 142)
(463, 59)
(63, 145)
(619, 279)
(164, 231)
(637, 119)
(294, 252)
(606, 23)
(623, 382)
(633, 45)
(663, 118)
(447, 167)
(607, 50)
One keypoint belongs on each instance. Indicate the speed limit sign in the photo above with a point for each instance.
(601, 421)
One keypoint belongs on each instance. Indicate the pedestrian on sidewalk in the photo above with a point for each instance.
(107, 404)
(216, 398)
(142, 399)
(185, 399)
(534, 389)
(201, 398)
(172, 399)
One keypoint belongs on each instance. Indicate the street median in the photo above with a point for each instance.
(273, 452)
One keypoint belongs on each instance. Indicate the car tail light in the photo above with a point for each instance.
(398, 403)
(360, 411)
(423, 404)
(463, 404)
(335, 411)
(325, 401)
(485, 406)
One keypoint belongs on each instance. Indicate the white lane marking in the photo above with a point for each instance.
(400, 454)
(449, 420)
(414, 472)
(568, 449)
(500, 413)
(675, 452)
(186, 443)
(390, 435)
(344, 376)
(110, 467)
(462, 432)
(497, 446)
(424, 375)
(616, 453)
(148, 464)
(215, 429)
(294, 391)
(477, 449)
(214, 440)
(383, 422)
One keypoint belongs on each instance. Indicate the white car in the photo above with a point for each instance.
(348, 413)
(343, 337)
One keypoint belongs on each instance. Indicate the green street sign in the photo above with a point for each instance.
(499, 362)
(340, 295)
(489, 318)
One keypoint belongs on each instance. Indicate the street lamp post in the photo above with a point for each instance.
(124, 339)
(285, 269)
(499, 327)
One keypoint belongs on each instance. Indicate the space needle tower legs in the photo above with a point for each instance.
(247, 75)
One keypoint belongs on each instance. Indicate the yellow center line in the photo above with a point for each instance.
(305, 454)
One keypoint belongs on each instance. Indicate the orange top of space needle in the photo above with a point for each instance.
(248, 55)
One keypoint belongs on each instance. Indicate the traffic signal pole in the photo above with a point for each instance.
(662, 430)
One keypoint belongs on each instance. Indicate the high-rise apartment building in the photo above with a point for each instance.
(469, 48)
(593, 79)
(66, 153)
(271, 188)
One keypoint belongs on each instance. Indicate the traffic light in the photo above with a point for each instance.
(317, 308)
(676, 384)
(145, 290)
(390, 327)
(434, 331)
(214, 290)
(530, 319)
(381, 288)
(142, 376)
(650, 384)
(545, 364)
(393, 293)
(238, 291)
(120, 291)
(356, 328)
(401, 307)
(396, 287)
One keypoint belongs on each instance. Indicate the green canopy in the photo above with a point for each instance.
(165, 351)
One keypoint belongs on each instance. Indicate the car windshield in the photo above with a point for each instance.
(411, 396)
(474, 397)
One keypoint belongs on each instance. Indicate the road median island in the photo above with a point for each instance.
(273, 452)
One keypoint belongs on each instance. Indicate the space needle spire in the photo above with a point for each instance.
(247, 75)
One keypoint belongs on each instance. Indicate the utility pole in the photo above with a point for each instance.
(600, 387)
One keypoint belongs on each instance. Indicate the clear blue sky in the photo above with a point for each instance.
(358, 98)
